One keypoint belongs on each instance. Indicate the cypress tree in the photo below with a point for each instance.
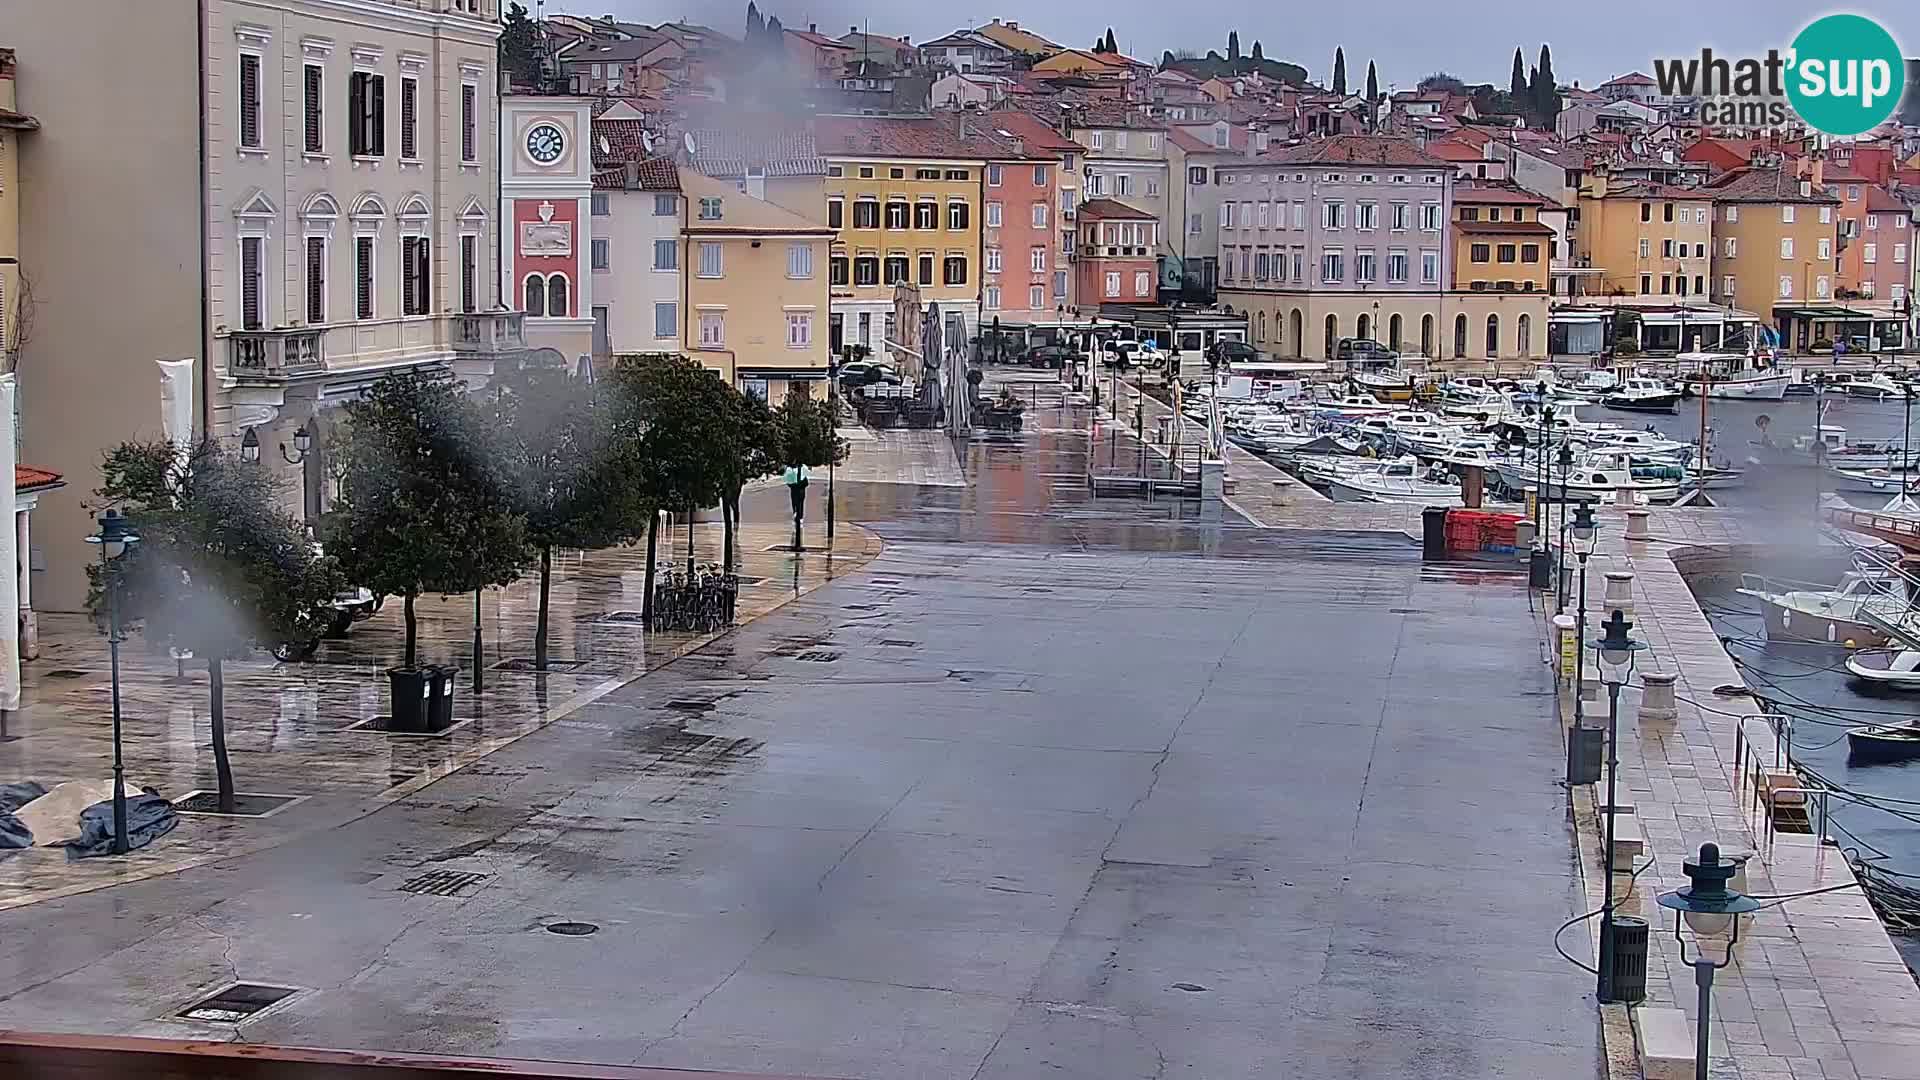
(1233, 46)
(1339, 71)
(1518, 86)
(1546, 93)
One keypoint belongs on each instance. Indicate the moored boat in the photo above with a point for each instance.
(1882, 744)
(1643, 395)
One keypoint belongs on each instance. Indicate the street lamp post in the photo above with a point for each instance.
(1585, 537)
(1559, 558)
(1708, 907)
(302, 443)
(1615, 649)
(115, 538)
(250, 446)
(833, 407)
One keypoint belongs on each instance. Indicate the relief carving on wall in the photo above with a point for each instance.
(546, 236)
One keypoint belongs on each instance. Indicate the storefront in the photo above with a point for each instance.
(1857, 325)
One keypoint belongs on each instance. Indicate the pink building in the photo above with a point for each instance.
(1114, 254)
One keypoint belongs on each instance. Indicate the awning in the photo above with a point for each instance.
(1832, 314)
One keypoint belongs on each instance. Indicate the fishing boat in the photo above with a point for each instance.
(1389, 385)
(1591, 386)
(1830, 446)
(1402, 481)
(1352, 406)
(1854, 481)
(1734, 376)
(1878, 386)
(1643, 395)
(1599, 477)
(1804, 611)
(1883, 744)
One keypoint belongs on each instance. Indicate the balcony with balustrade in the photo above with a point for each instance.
(337, 349)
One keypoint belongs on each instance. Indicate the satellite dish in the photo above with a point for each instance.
(605, 147)
(646, 141)
(686, 139)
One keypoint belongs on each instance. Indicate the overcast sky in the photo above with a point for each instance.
(1474, 39)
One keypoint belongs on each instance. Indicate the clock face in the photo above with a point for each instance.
(545, 143)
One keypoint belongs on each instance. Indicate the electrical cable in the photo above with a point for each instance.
(1582, 965)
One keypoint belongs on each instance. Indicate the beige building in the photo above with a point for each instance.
(299, 196)
(1644, 238)
(1776, 247)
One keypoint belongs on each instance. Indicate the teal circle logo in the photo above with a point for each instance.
(1846, 74)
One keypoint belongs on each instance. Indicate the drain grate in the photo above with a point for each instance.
(685, 705)
(442, 883)
(525, 663)
(901, 643)
(245, 804)
(573, 929)
(818, 656)
(66, 673)
(241, 1001)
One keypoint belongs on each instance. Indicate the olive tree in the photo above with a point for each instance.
(221, 567)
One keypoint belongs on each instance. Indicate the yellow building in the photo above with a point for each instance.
(12, 124)
(1646, 239)
(755, 276)
(904, 199)
(1775, 246)
(1499, 242)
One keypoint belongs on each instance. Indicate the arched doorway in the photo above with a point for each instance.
(1493, 336)
(1393, 332)
(1333, 334)
(1297, 332)
(1362, 326)
(1426, 336)
(1526, 336)
(1459, 336)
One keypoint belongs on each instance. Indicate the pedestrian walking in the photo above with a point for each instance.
(796, 479)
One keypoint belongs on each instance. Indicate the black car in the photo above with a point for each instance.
(1363, 349)
(1053, 356)
(1227, 351)
(865, 373)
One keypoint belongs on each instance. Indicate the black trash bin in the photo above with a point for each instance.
(1433, 533)
(1629, 982)
(1585, 747)
(440, 697)
(1540, 570)
(409, 687)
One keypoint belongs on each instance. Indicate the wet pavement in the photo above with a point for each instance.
(1052, 787)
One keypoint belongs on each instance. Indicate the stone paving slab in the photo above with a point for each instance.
(290, 726)
(1816, 988)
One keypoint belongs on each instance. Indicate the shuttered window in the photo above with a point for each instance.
(409, 94)
(251, 298)
(316, 280)
(415, 280)
(314, 116)
(363, 276)
(367, 114)
(469, 112)
(249, 99)
(469, 270)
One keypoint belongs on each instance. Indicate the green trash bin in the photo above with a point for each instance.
(410, 687)
(440, 697)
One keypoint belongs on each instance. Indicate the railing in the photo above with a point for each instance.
(276, 353)
(490, 332)
(102, 1057)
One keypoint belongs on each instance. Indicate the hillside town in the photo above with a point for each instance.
(555, 544)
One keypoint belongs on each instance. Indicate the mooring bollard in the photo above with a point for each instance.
(1656, 695)
(1619, 594)
(1625, 496)
(1637, 524)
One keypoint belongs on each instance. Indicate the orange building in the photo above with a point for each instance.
(1114, 254)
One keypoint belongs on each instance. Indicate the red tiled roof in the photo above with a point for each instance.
(1449, 150)
(818, 39)
(29, 478)
(1482, 194)
(1841, 174)
(1355, 150)
(1632, 78)
(1111, 210)
(1880, 201)
(1507, 227)
(1774, 184)
(1032, 130)
(624, 139)
(953, 135)
(656, 174)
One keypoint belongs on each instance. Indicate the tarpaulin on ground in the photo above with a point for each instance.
(149, 817)
(13, 834)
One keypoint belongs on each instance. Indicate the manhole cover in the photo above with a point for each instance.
(66, 673)
(238, 1002)
(442, 883)
(525, 663)
(572, 929)
(244, 804)
(818, 656)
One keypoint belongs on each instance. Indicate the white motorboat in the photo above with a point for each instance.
(1591, 386)
(1878, 386)
(1892, 669)
(1643, 395)
(1734, 376)
(1643, 443)
(1600, 477)
(1843, 480)
(1388, 385)
(1352, 406)
(1830, 446)
(1804, 611)
(1402, 481)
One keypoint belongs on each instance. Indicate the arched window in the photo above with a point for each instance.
(1333, 335)
(536, 295)
(557, 296)
(1261, 333)
(1362, 326)
(1297, 332)
(1493, 336)
(1459, 336)
(1393, 332)
(1526, 336)
(1426, 335)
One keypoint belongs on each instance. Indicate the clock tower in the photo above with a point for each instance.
(546, 186)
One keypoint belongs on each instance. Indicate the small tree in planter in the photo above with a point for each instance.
(563, 463)
(753, 451)
(808, 432)
(679, 421)
(220, 567)
(424, 505)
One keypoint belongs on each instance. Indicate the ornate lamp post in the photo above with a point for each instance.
(1616, 650)
(1585, 538)
(1709, 908)
(115, 538)
(250, 447)
(1559, 558)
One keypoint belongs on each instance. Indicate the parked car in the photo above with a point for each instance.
(350, 605)
(1363, 350)
(1138, 354)
(1229, 352)
(865, 373)
(1053, 356)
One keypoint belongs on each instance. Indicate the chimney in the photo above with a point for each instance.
(853, 29)
(813, 28)
(905, 40)
(1819, 169)
(1013, 26)
(996, 22)
(632, 174)
(873, 141)
(1019, 146)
